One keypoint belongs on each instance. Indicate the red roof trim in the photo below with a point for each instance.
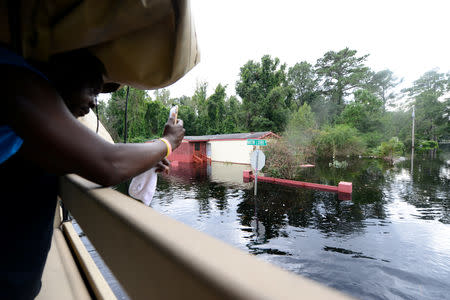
(267, 135)
(195, 141)
(270, 134)
(227, 140)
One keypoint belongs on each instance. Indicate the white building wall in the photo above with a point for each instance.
(234, 151)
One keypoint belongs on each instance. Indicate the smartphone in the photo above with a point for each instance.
(174, 113)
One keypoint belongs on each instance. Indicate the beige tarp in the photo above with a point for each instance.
(147, 44)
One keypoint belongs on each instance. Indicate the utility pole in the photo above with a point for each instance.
(412, 140)
(412, 134)
(125, 122)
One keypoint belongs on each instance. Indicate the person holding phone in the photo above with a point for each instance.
(40, 138)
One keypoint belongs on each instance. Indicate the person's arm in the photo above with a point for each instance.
(59, 143)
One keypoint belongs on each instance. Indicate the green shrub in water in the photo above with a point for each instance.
(340, 140)
(390, 149)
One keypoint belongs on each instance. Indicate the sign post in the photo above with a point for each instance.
(257, 160)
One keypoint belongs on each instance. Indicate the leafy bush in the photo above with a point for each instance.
(281, 160)
(428, 145)
(340, 140)
(372, 139)
(388, 150)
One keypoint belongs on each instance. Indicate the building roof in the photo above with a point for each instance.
(231, 136)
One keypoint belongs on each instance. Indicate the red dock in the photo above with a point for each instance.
(342, 188)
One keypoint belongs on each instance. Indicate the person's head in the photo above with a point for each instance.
(78, 78)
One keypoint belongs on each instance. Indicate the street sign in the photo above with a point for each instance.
(253, 142)
(257, 160)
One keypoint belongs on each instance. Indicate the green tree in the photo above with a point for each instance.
(364, 113)
(199, 101)
(397, 123)
(276, 109)
(187, 114)
(137, 106)
(341, 72)
(185, 100)
(303, 80)
(382, 84)
(156, 117)
(325, 110)
(232, 122)
(114, 114)
(265, 94)
(106, 119)
(431, 121)
(163, 96)
(215, 106)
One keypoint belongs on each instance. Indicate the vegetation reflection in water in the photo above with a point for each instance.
(390, 240)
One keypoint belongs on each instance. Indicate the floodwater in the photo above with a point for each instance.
(390, 241)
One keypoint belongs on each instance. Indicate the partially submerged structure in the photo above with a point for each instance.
(227, 148)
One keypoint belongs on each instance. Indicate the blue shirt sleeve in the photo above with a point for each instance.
(10, 142)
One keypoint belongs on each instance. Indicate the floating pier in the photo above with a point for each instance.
(344, 189)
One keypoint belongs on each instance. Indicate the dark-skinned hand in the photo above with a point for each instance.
(174, 133)
(163, 166)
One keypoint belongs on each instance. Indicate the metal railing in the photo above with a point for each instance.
(156, 257)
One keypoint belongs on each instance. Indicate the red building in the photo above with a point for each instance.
(190, 151)
(231, 148)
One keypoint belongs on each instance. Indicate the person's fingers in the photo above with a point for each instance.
(161, 169)
(163, 166)
(171, 120)
(166, 162)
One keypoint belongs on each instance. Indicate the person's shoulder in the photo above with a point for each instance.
(10, 60)
(9, 57)
(24, 89)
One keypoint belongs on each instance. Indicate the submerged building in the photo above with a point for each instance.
(227, 148)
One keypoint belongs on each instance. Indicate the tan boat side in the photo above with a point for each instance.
(90, 121)
(97, 282)
(61, 278)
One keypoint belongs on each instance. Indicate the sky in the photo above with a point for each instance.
(407, 37)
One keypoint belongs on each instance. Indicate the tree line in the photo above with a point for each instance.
(337, 106)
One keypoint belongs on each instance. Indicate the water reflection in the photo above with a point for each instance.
(390, 240)
(427, 189)
(375, 184)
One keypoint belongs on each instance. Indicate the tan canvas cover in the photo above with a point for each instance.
(146, 44)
